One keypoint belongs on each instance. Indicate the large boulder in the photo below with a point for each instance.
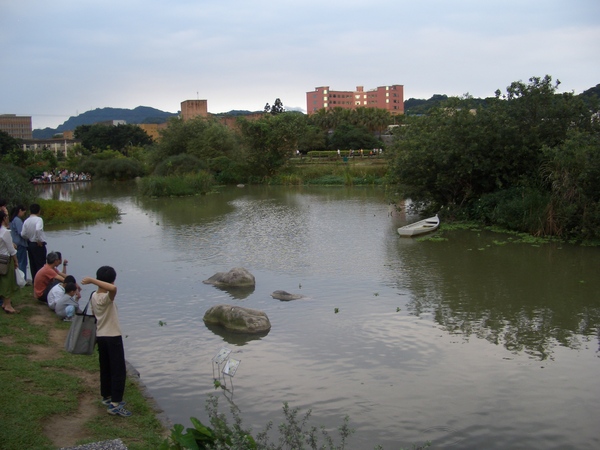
(238, 319)
(236, 277)
(286, 296)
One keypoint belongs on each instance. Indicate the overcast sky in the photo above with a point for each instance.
(60, 58)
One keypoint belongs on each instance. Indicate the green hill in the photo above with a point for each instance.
(141, 114)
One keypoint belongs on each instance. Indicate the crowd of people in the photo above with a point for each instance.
(62, 176)
(23, 243)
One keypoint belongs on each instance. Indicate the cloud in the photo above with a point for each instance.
(68, 56)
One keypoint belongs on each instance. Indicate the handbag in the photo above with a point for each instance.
(20, 277)
(82, 334)
(4, 260)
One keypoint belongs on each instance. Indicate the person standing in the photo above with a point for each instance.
(16, 226)
(33, 231)
(111, 353)
(8, 282)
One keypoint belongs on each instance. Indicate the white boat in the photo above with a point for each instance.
(420, 227)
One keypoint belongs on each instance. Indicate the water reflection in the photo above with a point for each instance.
(520, 297)
(61, 191)
(238, 339)
(237, 292)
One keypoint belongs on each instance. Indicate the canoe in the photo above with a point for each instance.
(420, 227)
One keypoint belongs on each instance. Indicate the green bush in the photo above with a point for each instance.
(227, 170)
(118, 169)
(179, 165)
(295, 433)
(190, 184)
(518, 209)
(15, 187)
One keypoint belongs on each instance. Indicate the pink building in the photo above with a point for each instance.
(390, 98)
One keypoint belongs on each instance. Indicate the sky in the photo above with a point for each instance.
(61, 58)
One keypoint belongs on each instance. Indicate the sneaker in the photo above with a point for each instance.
(107, 402)
(68, 319)
(118, 410)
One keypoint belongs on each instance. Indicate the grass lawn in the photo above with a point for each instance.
(50, 398)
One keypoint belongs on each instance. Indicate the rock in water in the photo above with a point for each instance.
(238, 319)
(286, 296)
(237, 276)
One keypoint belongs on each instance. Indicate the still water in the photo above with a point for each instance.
(473, 342)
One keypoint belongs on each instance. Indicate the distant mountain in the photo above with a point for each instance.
(141, 114)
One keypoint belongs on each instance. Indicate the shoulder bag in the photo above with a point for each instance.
(4, 260)
(82, 334)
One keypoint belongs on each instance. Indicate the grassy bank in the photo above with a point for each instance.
(50, 398)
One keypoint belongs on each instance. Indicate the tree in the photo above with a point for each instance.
(100, 137)
(461, 152)
(202, 138)
(15, 186)
(353, 137)
(271, 140)
(277, 107)
(7, 143)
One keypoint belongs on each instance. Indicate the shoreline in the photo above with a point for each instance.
(53, 401)
(160, 413)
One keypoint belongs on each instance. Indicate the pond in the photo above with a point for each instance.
(471, 342)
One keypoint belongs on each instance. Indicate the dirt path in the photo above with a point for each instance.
(66, 430)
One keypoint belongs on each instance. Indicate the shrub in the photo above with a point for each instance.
(293, 433)
(190, 184)
(15, 187)
(519, 209)
(227, 170)
(121, 169)
(179, 165)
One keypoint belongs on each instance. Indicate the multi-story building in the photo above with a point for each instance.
(18, 127)
(54, 145)
(390, 98)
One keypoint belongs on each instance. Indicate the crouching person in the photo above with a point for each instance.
(68, 304)
(58, 291)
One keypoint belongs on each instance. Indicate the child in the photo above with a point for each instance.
(109, 339)
(58, 291)
(67, 305)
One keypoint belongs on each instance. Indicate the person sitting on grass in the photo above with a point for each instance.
(48, 276)
(111, 353)
(58, 290)
(68, 304)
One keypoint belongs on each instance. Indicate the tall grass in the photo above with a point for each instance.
(57, 212)
(192, 184)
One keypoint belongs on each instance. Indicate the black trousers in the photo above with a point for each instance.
(112, 367)
(37, 257)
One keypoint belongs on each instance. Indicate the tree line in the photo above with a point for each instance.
(527, 159)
